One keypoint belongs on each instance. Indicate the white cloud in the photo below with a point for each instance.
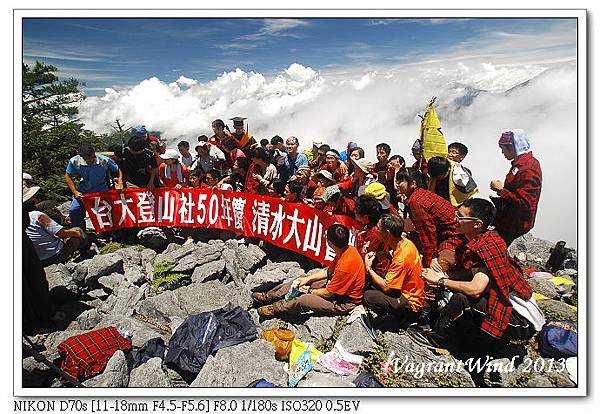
(382, 106)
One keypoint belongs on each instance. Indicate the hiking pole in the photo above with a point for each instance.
(30, 349)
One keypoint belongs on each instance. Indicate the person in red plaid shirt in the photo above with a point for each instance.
(432, 216)
(479, 318)
(518, 198)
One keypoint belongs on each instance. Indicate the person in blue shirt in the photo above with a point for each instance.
(345, 155)
(92, 171)
(294, 159)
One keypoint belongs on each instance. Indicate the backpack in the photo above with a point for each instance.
(558, 339)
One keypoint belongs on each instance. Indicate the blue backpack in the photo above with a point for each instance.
(558, 339)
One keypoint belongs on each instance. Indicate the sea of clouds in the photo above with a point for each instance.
(475, 103)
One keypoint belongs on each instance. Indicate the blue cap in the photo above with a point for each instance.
(140, 130)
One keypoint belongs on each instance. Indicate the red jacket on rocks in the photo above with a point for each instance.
(519, 196)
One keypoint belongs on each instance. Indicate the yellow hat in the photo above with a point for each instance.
(376, 190)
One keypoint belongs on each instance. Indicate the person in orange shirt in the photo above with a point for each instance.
(400, 293)
(334, 290)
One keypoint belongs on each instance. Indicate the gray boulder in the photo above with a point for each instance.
(132, 257)
(409, 356)
(148, 255)
(162, 307)
(140, 331)
(539, 382)
(112, 281)
(544, 287)
(238, 366)
(554, 309)
(176, 254)
(88, 319)
(38, 374)
(203, 297)
(154, 238)
(115, 375)
(98, 294)
(533, 248)
(233, 273)
(123, 299)
(149, 374)
(103, 265)
(355, 339)
(55, 338)
(273, 274)
(59, 277)
(320, 328)
(248, 257)
(135, 276)
(209, 271)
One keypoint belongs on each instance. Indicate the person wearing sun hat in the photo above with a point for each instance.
(361, 178)
(378, 191)
(335, 203)
(172, 172)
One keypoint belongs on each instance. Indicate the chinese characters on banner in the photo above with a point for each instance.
(294, 226)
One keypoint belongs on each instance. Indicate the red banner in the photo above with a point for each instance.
(294, 226)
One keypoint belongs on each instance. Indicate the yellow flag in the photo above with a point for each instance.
(431, 134)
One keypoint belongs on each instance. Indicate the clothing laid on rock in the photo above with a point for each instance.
(202, 334)
(87, 354)
(152, 348)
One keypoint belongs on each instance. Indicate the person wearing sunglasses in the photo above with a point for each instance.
(490, 305)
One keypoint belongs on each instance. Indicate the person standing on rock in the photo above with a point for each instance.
(492, 304)
(518, 198)
(334, 290)
(399, 292)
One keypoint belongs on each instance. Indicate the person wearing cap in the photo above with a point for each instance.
(293, 160)
(335, 166)
(139, 165)
(345, 155)
(417, 152)
(400, 291)
(360, 179)
(320, 159)
(337, 204)
(92, 173)
(173, 173)
(245, 140)
(208, 156)
(52, 242)
(318, 184)
(450, 180)
(303, 175)
(378, 191)
(518, 197)
(335, 290)
(312, 152)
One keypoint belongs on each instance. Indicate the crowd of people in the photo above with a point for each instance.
(427, 253)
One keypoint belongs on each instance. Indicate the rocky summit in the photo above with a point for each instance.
(148, 290)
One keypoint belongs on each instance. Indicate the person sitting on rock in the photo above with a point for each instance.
(400, 292)
(479, 318)
(368, 239)
(334, 290)
(53, 243)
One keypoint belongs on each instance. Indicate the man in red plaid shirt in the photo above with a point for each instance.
(479, 319)
(432, 216)
(518, 198)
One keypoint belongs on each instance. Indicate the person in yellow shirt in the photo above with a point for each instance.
(400, 292)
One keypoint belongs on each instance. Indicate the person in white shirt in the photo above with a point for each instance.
(184, 149)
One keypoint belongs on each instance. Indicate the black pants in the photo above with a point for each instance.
(397, 306)
(461, 319)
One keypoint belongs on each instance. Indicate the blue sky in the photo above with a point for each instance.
(122, 52)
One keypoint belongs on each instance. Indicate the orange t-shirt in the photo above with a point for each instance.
(347, 275)
(404, 274)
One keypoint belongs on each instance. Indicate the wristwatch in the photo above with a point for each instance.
(441, 282)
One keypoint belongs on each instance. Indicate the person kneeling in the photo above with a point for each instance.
(334, 290)
(400, 293)
(492, 308)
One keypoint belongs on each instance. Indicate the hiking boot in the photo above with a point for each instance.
(266, 311)
(260, 298)
(429, 339)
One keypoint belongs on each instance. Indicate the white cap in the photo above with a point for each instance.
(170, 154)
